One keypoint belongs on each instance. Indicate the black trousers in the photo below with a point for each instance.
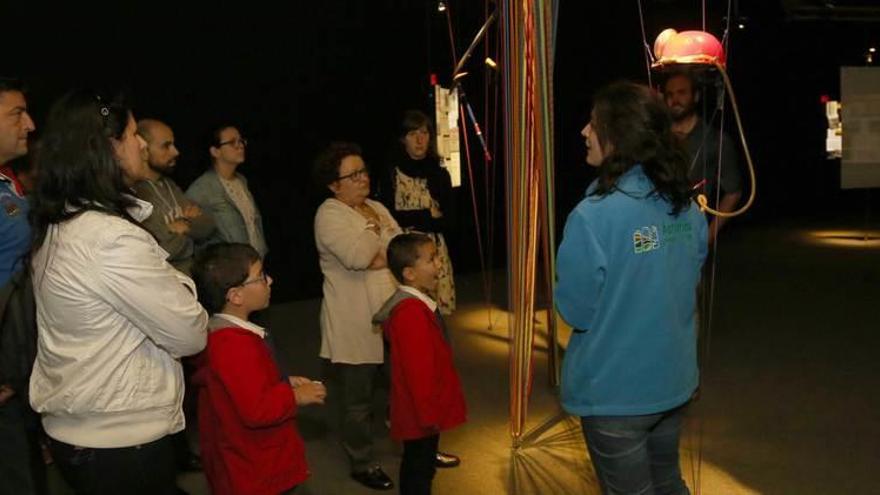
(22, 470)
(417, 466)
(147, 469)
(357, 384)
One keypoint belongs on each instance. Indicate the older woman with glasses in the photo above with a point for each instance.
(351, 234)
(223, 193)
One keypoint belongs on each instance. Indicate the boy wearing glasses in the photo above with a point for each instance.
(247, 407)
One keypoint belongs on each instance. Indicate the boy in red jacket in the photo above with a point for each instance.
(247, 409)
(426, 396)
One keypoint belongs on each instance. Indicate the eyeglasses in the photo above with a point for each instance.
(262, 278)
(234, 142)
(356, 175)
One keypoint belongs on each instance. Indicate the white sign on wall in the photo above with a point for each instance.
(446, 106)
(860, 98)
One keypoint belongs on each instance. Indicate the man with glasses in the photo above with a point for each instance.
(223, 193)
(21, 468)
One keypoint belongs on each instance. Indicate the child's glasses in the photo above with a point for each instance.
(262, 278)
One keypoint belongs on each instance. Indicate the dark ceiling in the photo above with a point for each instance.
(833, 10)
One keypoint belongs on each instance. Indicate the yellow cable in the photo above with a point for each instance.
(701, 198)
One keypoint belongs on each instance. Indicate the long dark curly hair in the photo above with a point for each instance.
(633, 122)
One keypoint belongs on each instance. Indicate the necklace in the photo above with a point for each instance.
(172, 208)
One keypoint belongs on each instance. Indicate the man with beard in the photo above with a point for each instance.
(176, 222)
(704, 144)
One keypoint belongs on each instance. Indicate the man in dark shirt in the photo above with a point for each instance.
(704, 144)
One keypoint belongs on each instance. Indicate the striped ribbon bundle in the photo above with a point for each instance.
(527, 42)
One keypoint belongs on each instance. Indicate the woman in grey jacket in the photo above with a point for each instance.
(224, 193)
(113, 317)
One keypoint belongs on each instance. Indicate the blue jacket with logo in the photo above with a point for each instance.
(15, 231)
(627, 273)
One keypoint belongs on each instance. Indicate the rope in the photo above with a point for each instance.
(707, 345)
(701, 199)
(467, 151)
(649, 57)
(725, 39)
(451, 36)
(709, 304)
(464, 106)
(704, 15)
(526, 28)
(489, 174)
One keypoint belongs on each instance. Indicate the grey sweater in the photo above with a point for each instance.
(168, 203)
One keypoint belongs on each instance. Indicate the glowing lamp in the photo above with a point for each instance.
(687, 47)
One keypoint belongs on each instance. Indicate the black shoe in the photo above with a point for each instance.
(374, 478)
(444, 460)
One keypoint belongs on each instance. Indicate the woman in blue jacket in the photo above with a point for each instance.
(627, 271)
(224, 194)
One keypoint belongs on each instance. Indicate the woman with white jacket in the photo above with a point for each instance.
(113, 316)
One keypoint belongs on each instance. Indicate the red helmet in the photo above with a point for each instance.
(687, 47)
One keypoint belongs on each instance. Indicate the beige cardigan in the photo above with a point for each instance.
(352, 294)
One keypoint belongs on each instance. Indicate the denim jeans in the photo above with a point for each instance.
(636, 455)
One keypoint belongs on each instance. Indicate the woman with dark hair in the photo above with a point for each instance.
(113, 316)
(627, 272)
(224, 194)
(352, 233)
(418, 192)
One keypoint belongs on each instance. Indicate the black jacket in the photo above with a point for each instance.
(439, 186)
(18, 333)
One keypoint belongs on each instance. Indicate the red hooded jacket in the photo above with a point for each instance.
(248, 435)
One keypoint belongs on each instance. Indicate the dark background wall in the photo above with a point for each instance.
(780, 65)
(297, 75)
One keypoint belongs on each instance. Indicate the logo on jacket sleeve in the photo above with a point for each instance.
(646, 239)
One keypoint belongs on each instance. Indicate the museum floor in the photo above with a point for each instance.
(790, 386)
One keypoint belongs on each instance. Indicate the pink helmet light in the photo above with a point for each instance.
(688, 47)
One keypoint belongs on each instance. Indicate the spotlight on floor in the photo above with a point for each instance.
(857, 239)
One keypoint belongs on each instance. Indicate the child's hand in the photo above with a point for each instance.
(296, 381)
(310, 393)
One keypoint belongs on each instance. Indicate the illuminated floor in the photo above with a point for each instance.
(790, 394)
